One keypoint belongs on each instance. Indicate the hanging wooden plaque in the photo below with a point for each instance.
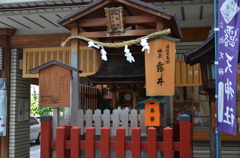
(160, 67)
(114, 19)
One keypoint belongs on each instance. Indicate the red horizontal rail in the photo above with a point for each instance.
(69, 143)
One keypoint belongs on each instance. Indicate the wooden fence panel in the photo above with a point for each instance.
(80, 120)
(125, 119)
(33, 57)
(115, 121)
(133, 119)
(106, 118)
(89, 118)
(88, 97)
(186, 75)
(142, 123)
(97, 117)
(63, 143)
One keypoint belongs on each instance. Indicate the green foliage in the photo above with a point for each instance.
(106, 105)
(37, 111)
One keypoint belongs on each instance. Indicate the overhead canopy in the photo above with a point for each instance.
(207, 47)
(118, 70)
(193, 56)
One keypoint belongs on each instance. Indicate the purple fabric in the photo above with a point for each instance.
(228, 44)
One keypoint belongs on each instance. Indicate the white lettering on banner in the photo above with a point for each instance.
(229, 58)
(229, 37)
(228, 89)
(221, 56)
(229, 116)
(220, 71)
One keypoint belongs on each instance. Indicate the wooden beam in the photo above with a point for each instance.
(195, 34)
(54, 40)
(95, 22)
(105, 34)
(35, 41)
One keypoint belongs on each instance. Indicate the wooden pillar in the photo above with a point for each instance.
(74, 101)
(5, 73)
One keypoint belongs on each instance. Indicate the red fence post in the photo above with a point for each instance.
(105, 145)
(68, 132)
(136, 142)
(120, 142)
(167, 142)
(60, 142)
(90, 138)
(152, 143)
(46, 136)
(75, 138)
(185, 136)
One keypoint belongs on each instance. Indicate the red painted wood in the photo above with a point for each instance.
(151, 146)
(167, 142)
(136, 142)
(185, 139)
(68, 132)
(46, 137)
(120, 145)
(60, 142)
(75, 138)
(104, 146)
(120, 142)
(90, 138)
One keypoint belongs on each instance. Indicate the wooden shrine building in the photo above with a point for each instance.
(119, 21)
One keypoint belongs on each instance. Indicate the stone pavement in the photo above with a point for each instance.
(34, 151)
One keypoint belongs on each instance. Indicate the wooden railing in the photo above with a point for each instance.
(70, 144)
(124, 118)
(88, 97)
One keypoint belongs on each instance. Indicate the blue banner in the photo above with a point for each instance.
(228, 48)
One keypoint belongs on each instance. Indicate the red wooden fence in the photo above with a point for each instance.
(69, 143)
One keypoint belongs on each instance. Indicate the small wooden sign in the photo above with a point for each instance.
(160, 67)
(152, 113)
(114, 19)
(54, 83)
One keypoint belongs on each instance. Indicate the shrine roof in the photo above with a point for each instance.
(117, 70)
(133, 8)
(206, 47)
(50, 63)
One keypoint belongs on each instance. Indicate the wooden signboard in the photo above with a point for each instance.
(114, 19)
(152, 113)
(160, 67)
(54, 83)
